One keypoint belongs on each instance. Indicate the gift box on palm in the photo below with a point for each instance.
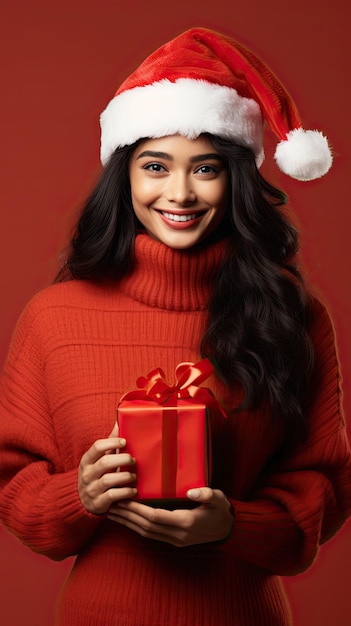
(168, 432)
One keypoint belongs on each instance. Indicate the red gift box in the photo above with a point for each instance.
(167, 429)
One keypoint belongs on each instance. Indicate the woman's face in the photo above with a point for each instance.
(179, 189)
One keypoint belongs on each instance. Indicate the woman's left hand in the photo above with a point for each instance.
(211, 521)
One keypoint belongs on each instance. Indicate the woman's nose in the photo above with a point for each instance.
(180, 189)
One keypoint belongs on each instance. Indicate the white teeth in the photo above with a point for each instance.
(179, 218)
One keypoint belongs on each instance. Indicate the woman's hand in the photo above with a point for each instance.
(211, 521)
(101, 479)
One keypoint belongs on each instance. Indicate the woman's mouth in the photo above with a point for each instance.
(181, 220)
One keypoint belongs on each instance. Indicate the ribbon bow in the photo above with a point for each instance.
(188, 376)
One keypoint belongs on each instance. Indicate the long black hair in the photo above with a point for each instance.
(256, 331)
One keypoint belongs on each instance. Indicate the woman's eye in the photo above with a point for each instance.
(206, 169)
(154, 167)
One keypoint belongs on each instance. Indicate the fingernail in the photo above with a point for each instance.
(194, 493)
(122, 442)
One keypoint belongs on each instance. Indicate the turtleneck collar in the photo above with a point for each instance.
(179, 280)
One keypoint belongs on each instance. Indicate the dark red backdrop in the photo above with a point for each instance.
(61, 63)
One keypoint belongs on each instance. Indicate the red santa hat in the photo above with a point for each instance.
(205, 82)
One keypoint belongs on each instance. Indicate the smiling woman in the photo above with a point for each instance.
(182, 250)
(179, 189)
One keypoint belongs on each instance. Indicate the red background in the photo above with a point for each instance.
(61, 65)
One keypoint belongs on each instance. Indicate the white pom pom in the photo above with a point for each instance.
(304, 154)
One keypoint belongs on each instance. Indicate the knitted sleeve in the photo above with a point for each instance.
(303, 499)
(39, 501)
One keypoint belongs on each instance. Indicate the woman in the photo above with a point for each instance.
(182, 250)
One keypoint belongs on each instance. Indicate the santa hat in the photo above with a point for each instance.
(205, 82)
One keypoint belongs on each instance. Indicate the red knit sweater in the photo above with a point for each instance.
(77, 347)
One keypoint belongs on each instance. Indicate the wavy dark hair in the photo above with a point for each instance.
(256, 332)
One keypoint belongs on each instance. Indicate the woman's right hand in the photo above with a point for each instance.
(101, 478)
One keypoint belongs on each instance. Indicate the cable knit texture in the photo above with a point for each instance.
(77, 347)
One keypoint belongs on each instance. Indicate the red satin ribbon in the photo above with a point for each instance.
(188, 375)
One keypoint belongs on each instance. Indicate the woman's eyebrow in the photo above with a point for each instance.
(206, 157)
(155, 155)
(169, 157)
